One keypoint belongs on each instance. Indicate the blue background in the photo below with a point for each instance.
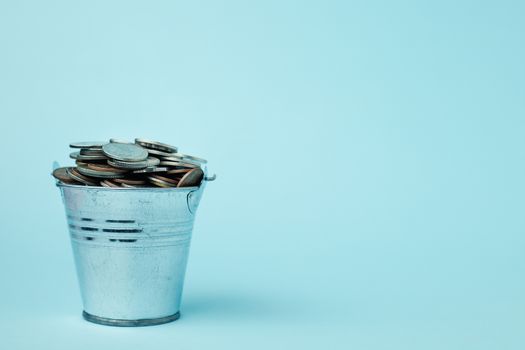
(370, 161)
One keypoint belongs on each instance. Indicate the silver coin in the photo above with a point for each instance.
(150, 162)
(98, 173)
(172, 159)
(151, 170)
(191, 161)
(115, 140)
(92, 157)
(181, 164)
(129, 152)
(88, 144)
(193, 158)
(127, 165)
(91, 152)
(159, 153)
(78, 156)
(156, 145)
(92, 149)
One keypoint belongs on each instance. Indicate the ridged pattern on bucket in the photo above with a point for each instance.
(131, 248)
(111, 232)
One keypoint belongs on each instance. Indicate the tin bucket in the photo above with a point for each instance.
(130, 247)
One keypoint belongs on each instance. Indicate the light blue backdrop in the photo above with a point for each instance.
(370, 161)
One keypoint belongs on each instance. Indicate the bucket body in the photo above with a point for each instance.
(130, 247)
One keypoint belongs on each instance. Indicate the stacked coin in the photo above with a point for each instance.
(118, 164)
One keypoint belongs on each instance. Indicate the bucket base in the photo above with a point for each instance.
(129, 323)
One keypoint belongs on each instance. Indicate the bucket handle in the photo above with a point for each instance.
(210, 178)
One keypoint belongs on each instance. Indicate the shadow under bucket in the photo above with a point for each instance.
(130, 247)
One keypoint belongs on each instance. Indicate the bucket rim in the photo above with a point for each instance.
(135, 189)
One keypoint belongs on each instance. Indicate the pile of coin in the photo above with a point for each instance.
(118, 163)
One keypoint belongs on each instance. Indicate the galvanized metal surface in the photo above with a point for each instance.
(131, 248)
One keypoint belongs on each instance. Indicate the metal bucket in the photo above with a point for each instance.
(130, 247)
